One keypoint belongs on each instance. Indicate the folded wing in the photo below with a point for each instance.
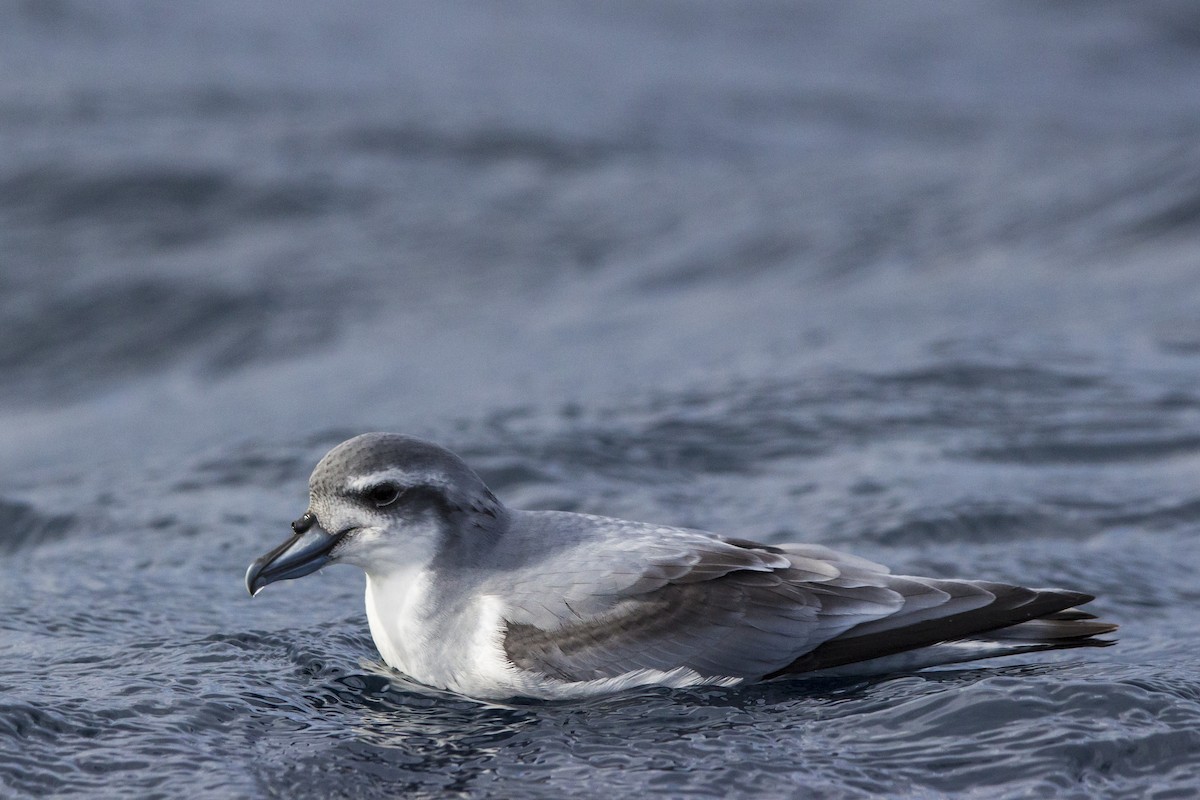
(733, 608)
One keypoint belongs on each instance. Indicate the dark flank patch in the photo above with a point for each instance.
(569, 652)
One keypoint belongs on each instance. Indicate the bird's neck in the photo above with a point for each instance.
(468, 538)
(396, 600)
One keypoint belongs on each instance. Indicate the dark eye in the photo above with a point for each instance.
(383, 495)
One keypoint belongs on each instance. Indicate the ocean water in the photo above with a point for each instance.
(917, 281)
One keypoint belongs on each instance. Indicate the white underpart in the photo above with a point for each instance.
(395, 602)
(405, 632)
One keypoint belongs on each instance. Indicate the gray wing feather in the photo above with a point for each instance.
(665, 598)
(721, 610)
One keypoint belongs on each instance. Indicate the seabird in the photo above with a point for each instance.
(466, 594)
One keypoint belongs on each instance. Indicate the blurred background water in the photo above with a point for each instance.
(920, 281)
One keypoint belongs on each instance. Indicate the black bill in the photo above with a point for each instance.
(305, 552)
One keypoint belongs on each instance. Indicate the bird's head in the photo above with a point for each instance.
(382, 501)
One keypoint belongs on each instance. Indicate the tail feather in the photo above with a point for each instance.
(1016, 620)
(1052, 630)
(959, 652)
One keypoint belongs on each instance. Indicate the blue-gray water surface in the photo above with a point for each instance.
(916, 280)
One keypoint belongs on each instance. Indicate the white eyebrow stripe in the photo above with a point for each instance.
(400, 476)
(397, 476)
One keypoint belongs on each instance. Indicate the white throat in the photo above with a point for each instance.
(397, 608)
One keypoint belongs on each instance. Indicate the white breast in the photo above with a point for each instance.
(459, 649)
(396, 613)
(464, 651)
